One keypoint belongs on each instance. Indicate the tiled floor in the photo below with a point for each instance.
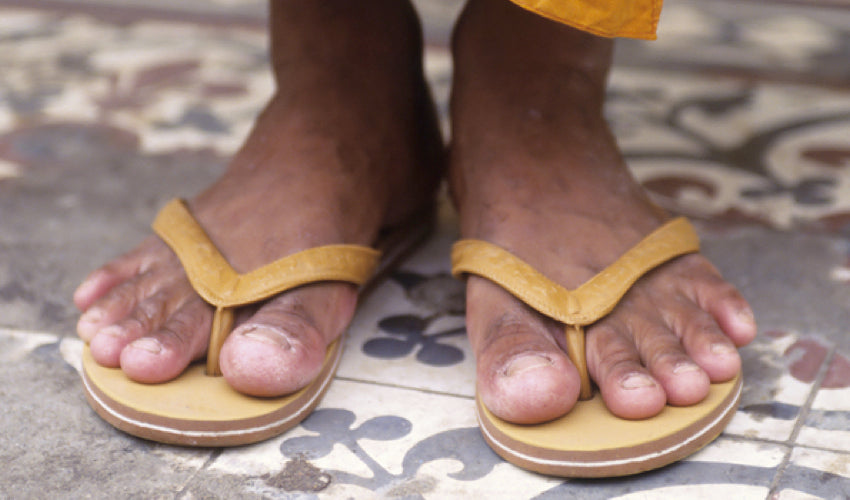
(739, 116)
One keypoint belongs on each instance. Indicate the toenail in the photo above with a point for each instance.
(525, 363)
(722, 349)
(148, 344)
(685, 367)
(637, 381)
(113, 331)
(746, 316)
(93, 315)
(267, 336)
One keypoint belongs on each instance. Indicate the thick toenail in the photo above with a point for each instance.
(92, 316)
(637, 381)
(525, 363)
(114, 331)
(148, 344)
(746, 316)
(267, 336)
(722, 349)
(685, 367)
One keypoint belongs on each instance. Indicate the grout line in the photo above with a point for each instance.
(404, 387)
(801, 421)
(184, 492)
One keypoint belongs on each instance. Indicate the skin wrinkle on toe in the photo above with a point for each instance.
(266, 334)
(637, 381)
(526, 362)
(147, 344)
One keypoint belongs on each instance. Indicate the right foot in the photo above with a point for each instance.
(348, 145)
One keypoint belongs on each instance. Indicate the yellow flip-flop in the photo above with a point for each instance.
(590, 441)
(199, 408)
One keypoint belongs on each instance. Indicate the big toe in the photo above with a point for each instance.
(523, 374)
(269, 360)
(282, 348)
(529, 388)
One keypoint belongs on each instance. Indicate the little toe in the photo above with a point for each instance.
(113, 307)
(124, 301)
(101, 281)
(715, 353)
(730, 310)
(163, 354)
(108, 339)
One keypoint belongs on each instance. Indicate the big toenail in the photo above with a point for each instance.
(267, 336)
(525, 363)
(722, 349)
(637, 381)
(685, 367)
(148, 344)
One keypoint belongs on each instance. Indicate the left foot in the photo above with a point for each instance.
(535, 170)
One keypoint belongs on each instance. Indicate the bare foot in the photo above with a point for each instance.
(348, 145)
(535, 170)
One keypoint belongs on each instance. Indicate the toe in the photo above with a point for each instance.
(282, 347)
(628, 388)
(146, 317)
(709, 347)
(113, 307)
(163, 354)
(523, 374)
(727, 306)
(683, 379)
(134, 298)
(117, 271)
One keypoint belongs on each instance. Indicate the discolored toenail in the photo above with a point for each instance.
(685, 367)
(722, 348)
(114, 331)
(147, 344)
(746, 316)
(525, 363)
(267, 336)
(92, 316)
(637, 381)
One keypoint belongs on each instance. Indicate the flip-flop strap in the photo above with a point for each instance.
(589, 302)
(218, 283)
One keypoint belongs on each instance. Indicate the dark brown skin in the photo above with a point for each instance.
(349, 144)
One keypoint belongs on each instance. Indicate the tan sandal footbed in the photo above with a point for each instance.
(590, 441)
(199, 408)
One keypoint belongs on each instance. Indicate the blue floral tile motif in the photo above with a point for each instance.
(334, 427)
(442, 296)
(408, 332)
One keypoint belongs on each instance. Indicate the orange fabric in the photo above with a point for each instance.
(608, 18)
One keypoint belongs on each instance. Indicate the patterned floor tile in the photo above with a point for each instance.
(410, 331)
(776, 387)
(739, 116)
(368, 439)
(794, 41)
(827, 423)
(815, 474)
(736, 151)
